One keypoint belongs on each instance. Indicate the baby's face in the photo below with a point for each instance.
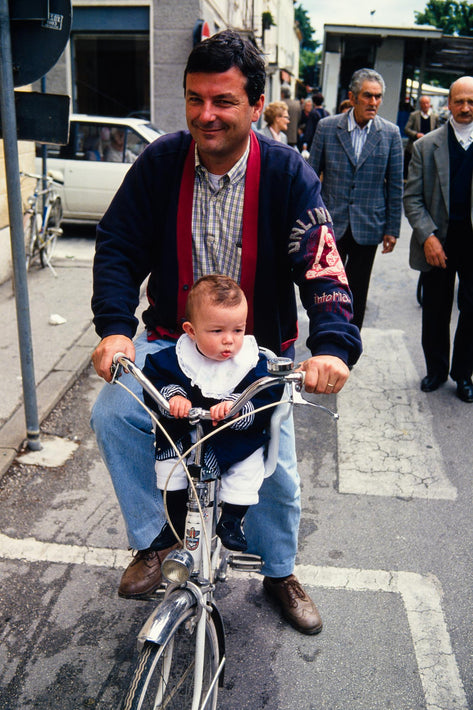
(218, 330)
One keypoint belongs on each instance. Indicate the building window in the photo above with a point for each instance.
(111, 75)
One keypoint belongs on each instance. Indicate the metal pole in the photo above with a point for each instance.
(12, 168)
(44, 155)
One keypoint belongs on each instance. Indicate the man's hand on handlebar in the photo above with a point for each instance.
(102, 357)
(324, 374)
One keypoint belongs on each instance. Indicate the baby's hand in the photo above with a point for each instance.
(218, 411)
(179, 406)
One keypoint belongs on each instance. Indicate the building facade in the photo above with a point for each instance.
(128, 57)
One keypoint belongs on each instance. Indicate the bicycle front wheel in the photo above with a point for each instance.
(164, 674)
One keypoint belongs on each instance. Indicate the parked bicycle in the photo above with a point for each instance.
(42, 220)
(182, 644)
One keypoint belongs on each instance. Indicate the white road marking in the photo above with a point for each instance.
(443, 688)
(386, 443)
(438, 670)
(32, 550)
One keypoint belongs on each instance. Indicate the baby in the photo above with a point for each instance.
(212, 363)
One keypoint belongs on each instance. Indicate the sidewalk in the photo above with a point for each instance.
(61, 352)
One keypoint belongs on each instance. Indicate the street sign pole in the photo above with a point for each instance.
(12, 168)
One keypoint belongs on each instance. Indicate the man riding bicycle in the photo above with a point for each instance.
(218, 198)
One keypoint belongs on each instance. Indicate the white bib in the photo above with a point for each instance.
(216, 380)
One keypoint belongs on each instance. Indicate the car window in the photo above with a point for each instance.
(135, 142)
(99, 142)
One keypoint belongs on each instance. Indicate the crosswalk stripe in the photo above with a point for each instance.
(421, 595)
(386, 442)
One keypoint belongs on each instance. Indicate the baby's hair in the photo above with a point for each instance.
(218, 289)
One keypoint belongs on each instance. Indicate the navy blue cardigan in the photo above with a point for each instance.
(136, 239)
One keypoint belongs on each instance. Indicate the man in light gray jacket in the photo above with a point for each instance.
(438, 202)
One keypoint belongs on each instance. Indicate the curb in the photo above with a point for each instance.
(49, 392)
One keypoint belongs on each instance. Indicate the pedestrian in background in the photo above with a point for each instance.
(276, 116)
(307, 107)
(359, 155)
(318, 112)
(294, 109)
(345, 106)
(418, 124)
(438, 201)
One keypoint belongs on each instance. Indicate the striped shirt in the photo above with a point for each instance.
(358, 135)
(217, 219)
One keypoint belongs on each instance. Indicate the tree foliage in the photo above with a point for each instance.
(451, 16)
(306, 29)
(310, 47)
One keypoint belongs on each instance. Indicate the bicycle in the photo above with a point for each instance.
(182, 644)
(42, 220)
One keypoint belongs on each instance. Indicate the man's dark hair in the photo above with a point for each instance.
(317, 98)
(225, 50)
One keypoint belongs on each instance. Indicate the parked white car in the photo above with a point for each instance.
(94, 162)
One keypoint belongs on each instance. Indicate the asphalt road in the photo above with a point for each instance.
(385, 550)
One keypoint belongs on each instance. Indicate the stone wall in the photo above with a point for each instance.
(26, 151)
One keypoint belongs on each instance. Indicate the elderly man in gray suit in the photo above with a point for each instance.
(438, 201)
(419, 123)
(358, 155)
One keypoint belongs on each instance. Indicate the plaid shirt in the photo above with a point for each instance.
(217, 220)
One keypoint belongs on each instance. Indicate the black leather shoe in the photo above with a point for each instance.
(432, 382)
(230, 533)
(465, 390)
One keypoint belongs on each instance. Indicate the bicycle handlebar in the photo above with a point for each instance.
(281, 370)
(49, 178)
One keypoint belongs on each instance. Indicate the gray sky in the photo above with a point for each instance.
(397, 13)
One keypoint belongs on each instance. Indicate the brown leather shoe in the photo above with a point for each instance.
(296, 606)
(143, 574)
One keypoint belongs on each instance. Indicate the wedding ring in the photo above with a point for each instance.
(329, 385)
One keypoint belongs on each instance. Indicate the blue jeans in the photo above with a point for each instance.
(126, 443)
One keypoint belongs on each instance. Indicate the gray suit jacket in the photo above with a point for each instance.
(266, 131)
(413, 127)
(365, 195)
(427, 193)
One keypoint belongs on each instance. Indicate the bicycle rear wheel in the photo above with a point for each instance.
(31, 227)
(164, 674)
(51, 232)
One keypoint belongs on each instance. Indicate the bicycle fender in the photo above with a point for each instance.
(220, 629)
(163, 619)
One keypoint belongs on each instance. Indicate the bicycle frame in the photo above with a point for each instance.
(193, 571)
(42, 235)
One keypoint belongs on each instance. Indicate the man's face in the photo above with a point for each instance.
(424, 103)
(219, 117)
(367, 103)
(460, 101)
